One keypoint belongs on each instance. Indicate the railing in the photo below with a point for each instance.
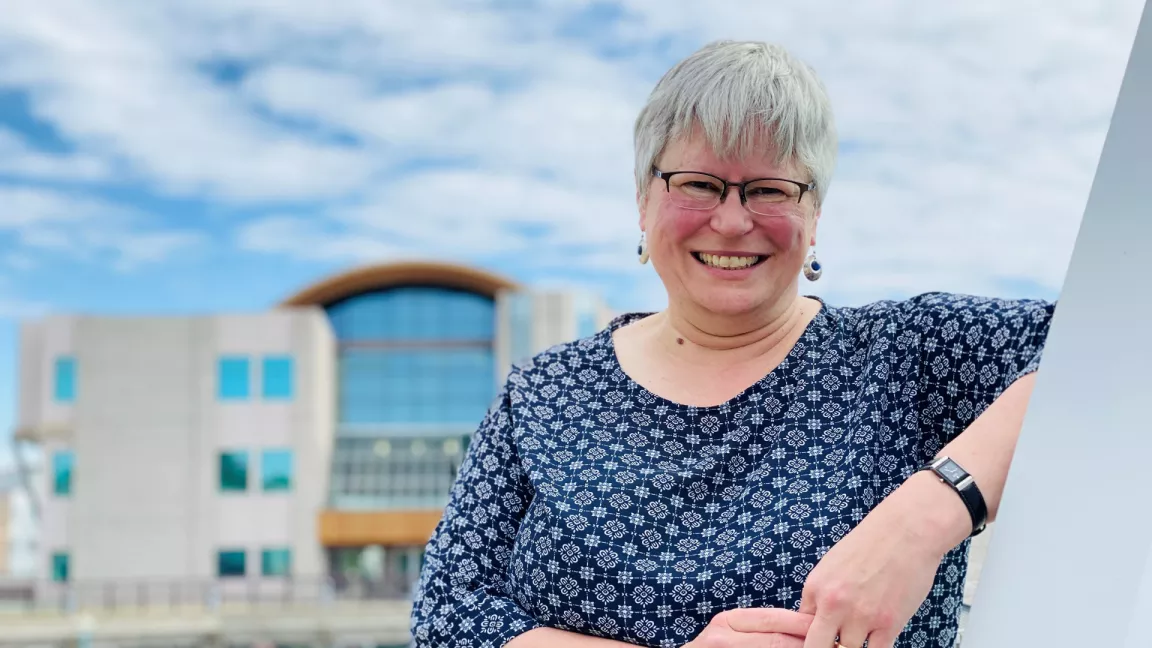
(205, 595)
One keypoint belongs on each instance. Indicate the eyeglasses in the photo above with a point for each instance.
(696, 190)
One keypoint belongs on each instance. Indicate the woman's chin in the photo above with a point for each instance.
(729, 302)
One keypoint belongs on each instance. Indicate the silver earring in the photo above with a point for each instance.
(812, 267)
(642, 249)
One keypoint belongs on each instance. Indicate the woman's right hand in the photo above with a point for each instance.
(754, 628)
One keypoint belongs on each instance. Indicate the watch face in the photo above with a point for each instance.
(952, 471)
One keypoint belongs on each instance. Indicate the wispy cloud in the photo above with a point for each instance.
(43, 221)
(355, 131)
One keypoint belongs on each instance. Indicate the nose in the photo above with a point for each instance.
(730, 218)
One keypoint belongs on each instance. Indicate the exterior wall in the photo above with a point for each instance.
(528, 322)
(146, 429)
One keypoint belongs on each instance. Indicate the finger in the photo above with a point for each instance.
(769, 620)
(822, 632)
(776, 640)
(883, 638)
(853, 636)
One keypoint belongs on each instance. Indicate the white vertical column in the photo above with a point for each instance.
(1071, 562)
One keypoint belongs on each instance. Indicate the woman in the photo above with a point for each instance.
(748, 467)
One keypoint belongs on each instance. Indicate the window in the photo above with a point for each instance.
(415, 354)
(62, 463)
(276, 562)
(233, 471)
(232, 379)
(414, 313)
(60, 567)
(276, 466)
(415, 386)
(65, 379)
(394, 472)
(231, 563)
(277, 377)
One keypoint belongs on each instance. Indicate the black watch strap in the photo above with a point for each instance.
(964, 484)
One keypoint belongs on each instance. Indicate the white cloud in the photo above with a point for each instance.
(46, 221)
(974, 127)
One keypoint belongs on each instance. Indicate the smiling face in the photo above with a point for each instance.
(727, 260)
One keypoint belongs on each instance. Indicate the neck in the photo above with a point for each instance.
(696, 335)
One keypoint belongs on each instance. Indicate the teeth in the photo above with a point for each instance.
(728, 262)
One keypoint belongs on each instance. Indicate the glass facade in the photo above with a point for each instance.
(399, 471)
(276, 470)
(233, 471)
(63, 463)
(64, 380)
(416, 373)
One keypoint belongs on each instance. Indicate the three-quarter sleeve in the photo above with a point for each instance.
(971, 349)
(462, 598)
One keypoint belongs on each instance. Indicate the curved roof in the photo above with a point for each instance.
(390, 275)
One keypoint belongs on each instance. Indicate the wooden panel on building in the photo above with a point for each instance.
(386, 528)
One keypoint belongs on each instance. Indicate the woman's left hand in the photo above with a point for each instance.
(870, 583)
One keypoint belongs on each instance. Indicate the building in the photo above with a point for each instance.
(312, 443)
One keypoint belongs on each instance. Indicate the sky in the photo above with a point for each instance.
(160, 157)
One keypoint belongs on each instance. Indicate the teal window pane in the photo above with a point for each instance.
(276, 466)
(233, 471)
(60, 567)
(62, 469)
(233, 378)
(64, 387)
(276, 562)
(231, 563)
(277, 377)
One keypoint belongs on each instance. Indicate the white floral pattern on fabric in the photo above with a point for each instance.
(589, 504)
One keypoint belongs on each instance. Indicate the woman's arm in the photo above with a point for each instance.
(463, 596)
(553, 638)
(985, 450)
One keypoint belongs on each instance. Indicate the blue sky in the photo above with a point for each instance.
(218, 155)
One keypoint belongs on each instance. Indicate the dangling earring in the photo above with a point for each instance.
(812, 267)
(642, 249)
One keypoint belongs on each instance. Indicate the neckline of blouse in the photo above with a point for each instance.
(795, 355)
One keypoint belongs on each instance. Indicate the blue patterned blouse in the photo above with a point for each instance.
(589, 504)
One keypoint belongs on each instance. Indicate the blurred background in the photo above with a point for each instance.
(264, 265)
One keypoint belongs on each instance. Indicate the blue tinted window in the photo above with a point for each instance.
(277, 377)
(416, 386)
(64, 381)
(232, 378)
(414, 313)
(60, 567)
(233, 471)
(231, 563)
(276, 562)
(276, 469)
(62, 465)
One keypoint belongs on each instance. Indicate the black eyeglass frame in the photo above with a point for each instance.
(666, 176)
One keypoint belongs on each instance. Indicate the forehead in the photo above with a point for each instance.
(693, 152)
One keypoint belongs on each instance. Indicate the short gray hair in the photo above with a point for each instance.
(735, 92)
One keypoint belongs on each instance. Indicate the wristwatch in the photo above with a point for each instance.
(964, 484)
